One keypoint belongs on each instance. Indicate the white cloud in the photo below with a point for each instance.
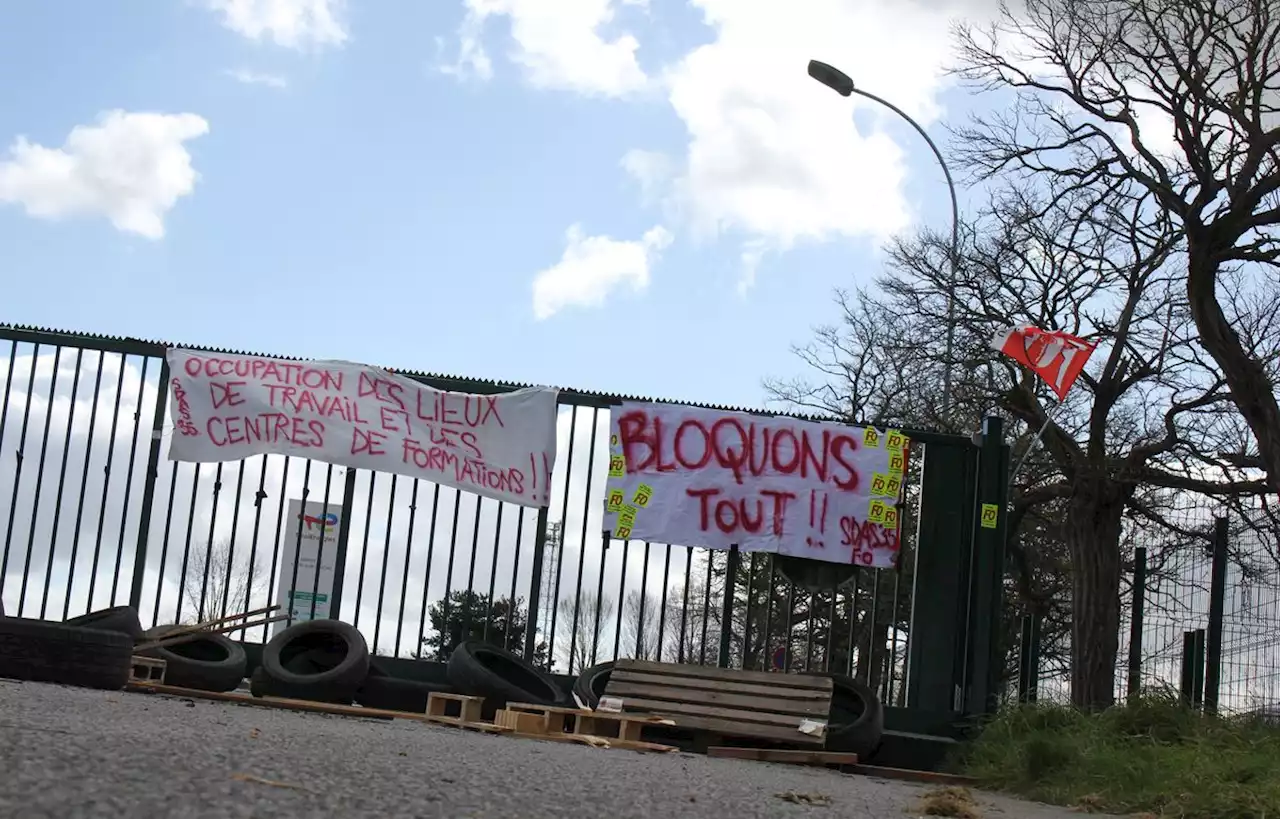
(559, 45)
(295, 24)
(254, 78)
(130, 167)
(773, 156)
(594, 266)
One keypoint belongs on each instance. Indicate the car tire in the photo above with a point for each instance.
(857, 717)
(383, 691)
(479, 669)
(210, 662)
(321, 660)
(123, 619)
(43, 651)
(590, 685)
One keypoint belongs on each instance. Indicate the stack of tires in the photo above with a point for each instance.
(95, 650)
(328, 661)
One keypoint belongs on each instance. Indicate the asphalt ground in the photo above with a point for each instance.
(67, 753)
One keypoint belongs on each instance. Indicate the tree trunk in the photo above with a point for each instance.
(1094, 514)
(1251, 389)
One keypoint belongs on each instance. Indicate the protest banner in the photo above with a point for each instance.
(229, 407)
(701, 477)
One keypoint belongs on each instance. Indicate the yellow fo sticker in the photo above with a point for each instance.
(893, 486)
(628, 516)
(617, 466)
(643, 493)
(990, 515)
(614, 504)
(890, 518)
(894, 439)
(875, 512)
(622, 532)
(880, 484)
(871, 437)
(897, 463)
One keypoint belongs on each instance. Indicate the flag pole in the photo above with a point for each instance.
(1048, 419)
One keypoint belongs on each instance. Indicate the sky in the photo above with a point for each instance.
(648, 197)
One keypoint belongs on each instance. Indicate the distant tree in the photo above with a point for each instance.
(581, 628)
(218, 582)
(468, 615)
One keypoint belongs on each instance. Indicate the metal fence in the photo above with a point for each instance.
(84, 418)
(1169, 616)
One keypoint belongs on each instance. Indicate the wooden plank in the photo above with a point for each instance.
(727, 686)
(792, 757)
(820, 709)
(726, 674)
(733, 728)
(333, 709)
(908, 775)
(693, 709)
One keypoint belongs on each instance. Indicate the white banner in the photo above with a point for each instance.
(229, 407)
(699, 477)
(317, 552)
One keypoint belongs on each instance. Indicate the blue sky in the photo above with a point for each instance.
(388, 182)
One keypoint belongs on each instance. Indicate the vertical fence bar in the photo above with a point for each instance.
(622, 598)
(1029, 658)
(62, 484)
(515, 573)
(493, 573)
(344, 536)
(1217, 602)
(595, 629)
(149, 487)
(1139, 593)
(386, 554)
(726, 611)
(35, 499)
(684, 606)
(364, 547)
(144, 520)
(106, 484)
(535, 582)
(582, 539)
(404, 574)
(426, 578)
(84, 485)
(20, 457)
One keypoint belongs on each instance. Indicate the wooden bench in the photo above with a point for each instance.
(785, 708)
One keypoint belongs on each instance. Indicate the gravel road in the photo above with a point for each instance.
(71, 753)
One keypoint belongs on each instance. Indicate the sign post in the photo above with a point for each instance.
(319, 538)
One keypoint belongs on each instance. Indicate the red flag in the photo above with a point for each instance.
(1055, 356)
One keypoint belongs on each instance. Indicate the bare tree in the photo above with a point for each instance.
(581, 627)
(1100, 85)
(218, 582)
(1146, 420)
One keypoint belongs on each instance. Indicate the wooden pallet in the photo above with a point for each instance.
(599, 730)
(147, 670)
(527, 718)
(781, 708)
(454, 709)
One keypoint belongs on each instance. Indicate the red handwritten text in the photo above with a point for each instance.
(744, 449)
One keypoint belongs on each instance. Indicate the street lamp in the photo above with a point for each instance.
(842, 84)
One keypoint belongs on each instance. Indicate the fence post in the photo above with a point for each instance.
(1139, 592)
(1029, 659)
(344, 535)
(535, 585)
(1217, 602)
(149, 485)
(1192, 683)
(984, 657)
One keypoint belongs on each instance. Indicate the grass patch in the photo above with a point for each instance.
(1152, 756)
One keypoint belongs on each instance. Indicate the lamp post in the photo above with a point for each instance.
(842, 84)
